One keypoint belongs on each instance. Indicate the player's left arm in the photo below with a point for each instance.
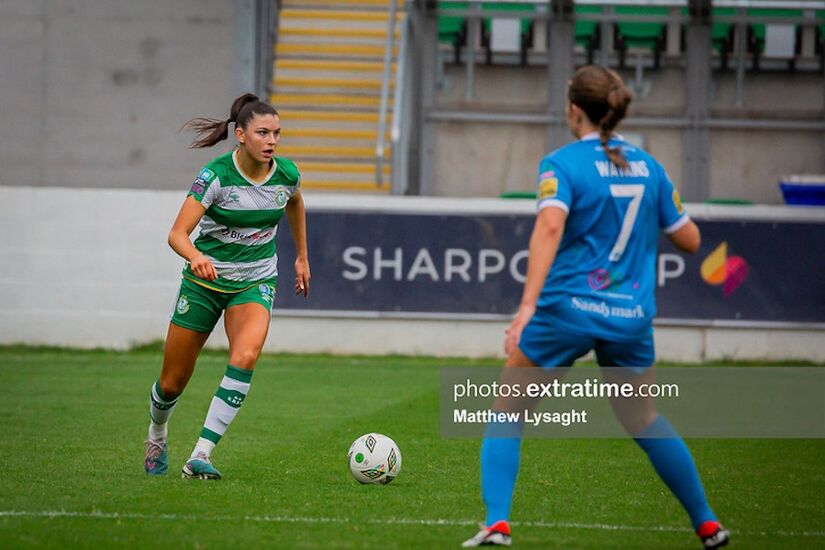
(296, 215)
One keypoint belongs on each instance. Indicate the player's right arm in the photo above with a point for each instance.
(686, 238)
(677, 225)
(190, 214)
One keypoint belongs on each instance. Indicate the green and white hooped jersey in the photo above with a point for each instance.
(237, 231)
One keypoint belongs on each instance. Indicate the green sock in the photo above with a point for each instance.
(225, 404)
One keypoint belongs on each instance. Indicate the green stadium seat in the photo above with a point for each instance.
(757, 31)
(587, 33)
(453, 29)
(641, 34)
(722, 33)
(820, 38)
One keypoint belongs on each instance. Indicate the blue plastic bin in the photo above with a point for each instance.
(803, 190)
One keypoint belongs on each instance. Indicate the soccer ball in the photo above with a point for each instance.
(374, 458)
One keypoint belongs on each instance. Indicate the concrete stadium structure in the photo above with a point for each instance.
(93, 95)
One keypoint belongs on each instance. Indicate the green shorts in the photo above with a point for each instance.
(198, 308)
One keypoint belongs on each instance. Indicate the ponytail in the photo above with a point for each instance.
(603, 97)
(210, 131)
(618, 98)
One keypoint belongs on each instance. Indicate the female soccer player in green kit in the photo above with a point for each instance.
(231, 268)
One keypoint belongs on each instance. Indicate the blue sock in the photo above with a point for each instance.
(673, 462)
(499, 469)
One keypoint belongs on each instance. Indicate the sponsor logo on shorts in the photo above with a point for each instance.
(183, 304)
(267, 292)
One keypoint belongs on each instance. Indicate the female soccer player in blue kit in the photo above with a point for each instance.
(601, 205)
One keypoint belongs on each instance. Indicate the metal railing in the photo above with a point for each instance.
(267, 13)
(385, 93)
(401, 123)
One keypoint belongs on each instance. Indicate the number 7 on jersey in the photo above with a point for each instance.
(635, 193)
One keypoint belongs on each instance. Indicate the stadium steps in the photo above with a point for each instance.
(327, 86)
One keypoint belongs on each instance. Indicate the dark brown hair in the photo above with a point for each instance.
(211, 130)
(603, 97)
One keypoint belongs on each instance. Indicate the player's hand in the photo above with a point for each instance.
(203, 268)
(513, 334)
(302, 276)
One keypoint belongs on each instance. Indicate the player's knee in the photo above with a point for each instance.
(171, 386)
(245, 359)
(637, 423)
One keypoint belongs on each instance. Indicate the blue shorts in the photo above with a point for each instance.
(547, 346)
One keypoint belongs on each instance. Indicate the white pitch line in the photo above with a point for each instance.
(387, 521)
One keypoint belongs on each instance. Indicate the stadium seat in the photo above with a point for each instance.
(453, 29)
(526, 29)
(820, 38)
(722, 34)
(758, 32)
(587, 33)
(642, 34)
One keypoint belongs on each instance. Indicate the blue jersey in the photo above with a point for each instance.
(603, 279)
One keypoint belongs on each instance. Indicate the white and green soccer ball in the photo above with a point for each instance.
(374, 458)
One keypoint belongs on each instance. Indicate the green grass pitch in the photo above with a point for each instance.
(71, 453)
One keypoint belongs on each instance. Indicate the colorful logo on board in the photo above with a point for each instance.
(721, 269)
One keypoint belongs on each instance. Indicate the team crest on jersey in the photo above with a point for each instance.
(677, 201)
(183, 304)
(548, 185)
(280, 198)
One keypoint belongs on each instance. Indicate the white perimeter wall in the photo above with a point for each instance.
(91, 268)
